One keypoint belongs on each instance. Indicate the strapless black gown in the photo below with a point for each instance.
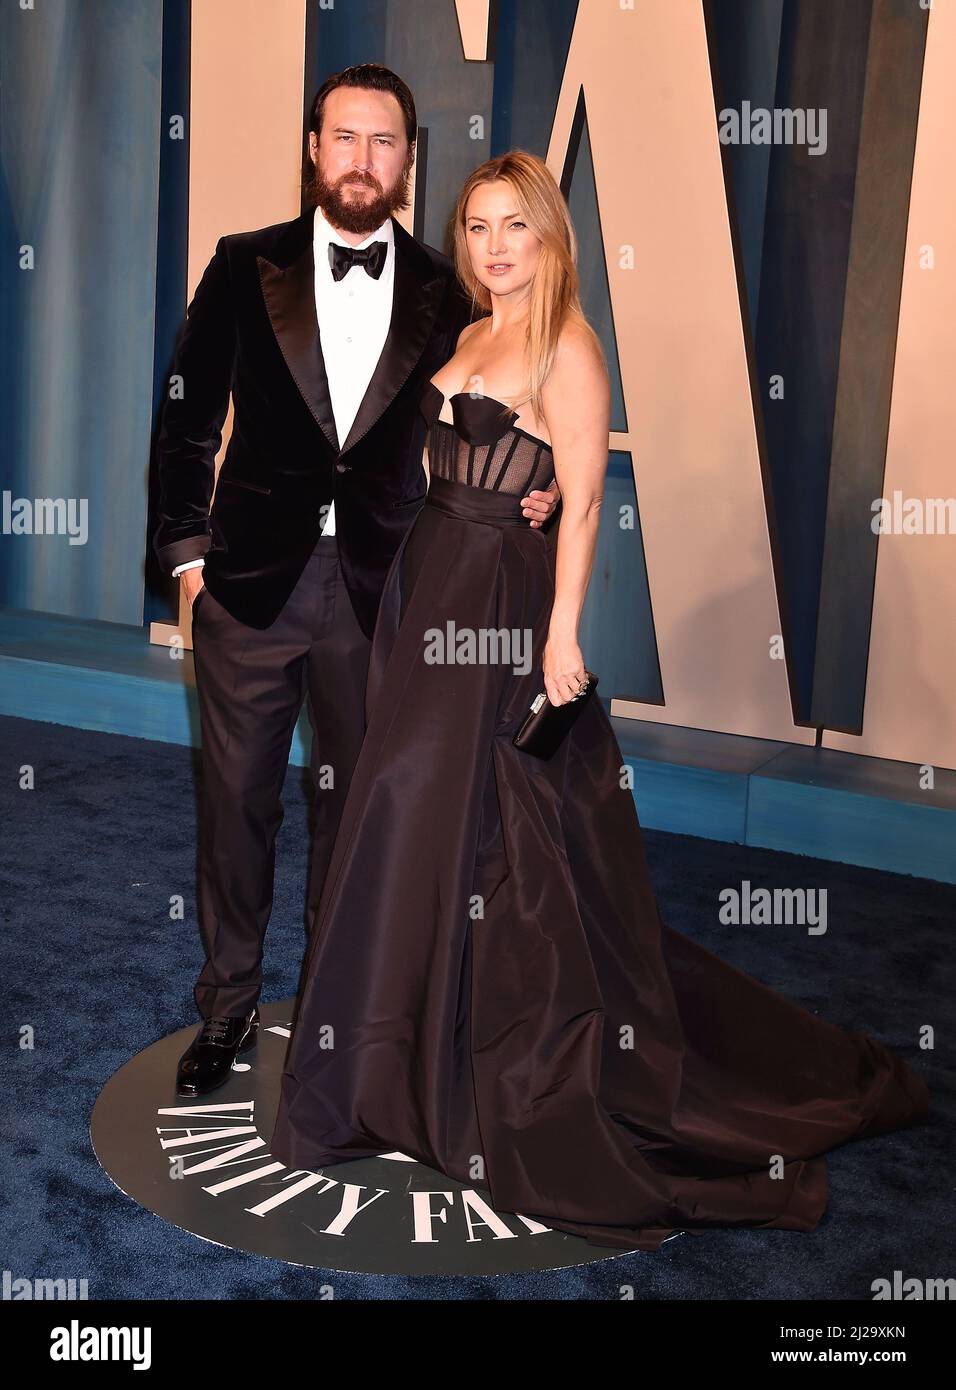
(489, 952)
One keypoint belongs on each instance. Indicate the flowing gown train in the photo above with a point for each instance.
(488, 951)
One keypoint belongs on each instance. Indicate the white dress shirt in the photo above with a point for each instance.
(353, 316)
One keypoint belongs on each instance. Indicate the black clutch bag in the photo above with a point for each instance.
(546, 724)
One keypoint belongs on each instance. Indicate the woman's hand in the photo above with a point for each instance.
(563, 669)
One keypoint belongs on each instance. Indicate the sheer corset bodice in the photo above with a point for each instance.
(483, 447)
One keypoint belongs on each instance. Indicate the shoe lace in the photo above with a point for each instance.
(216, 1030)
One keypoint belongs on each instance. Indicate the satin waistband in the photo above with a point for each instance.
(475, 503)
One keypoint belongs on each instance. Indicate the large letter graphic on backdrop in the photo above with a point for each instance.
(910, 711)
(647, 88)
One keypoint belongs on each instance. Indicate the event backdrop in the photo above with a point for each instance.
(763, 197)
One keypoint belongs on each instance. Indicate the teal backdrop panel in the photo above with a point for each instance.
(79, 155)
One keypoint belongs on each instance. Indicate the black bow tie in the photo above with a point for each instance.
(342, 258)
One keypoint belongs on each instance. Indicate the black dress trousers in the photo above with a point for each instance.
(251, 684)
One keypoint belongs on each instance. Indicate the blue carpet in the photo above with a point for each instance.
(93, 964)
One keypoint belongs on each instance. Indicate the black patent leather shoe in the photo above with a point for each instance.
(208, 1060)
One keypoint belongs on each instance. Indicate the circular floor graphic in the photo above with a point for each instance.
(204, 1165)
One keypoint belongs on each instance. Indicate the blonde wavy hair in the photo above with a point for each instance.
(555, 286)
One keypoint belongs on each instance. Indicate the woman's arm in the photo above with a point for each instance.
(576, 404)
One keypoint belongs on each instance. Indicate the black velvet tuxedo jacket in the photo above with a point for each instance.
(251, 329)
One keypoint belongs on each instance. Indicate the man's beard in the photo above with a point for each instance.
(354, 215)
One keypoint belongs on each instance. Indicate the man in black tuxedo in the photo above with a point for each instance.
(325, 330)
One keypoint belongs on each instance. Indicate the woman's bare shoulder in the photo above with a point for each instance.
(578, 357)
(577, 340)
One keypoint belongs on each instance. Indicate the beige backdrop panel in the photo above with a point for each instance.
(910, 710)
(473, 18)
(245, 150)
(691, 432)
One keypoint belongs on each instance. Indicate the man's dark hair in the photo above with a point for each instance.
(375, 78)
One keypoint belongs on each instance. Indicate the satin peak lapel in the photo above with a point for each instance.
(289, 294)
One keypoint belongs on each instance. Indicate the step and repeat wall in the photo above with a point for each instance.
(763, 198)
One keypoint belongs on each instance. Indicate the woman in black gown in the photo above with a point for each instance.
(488, 956)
